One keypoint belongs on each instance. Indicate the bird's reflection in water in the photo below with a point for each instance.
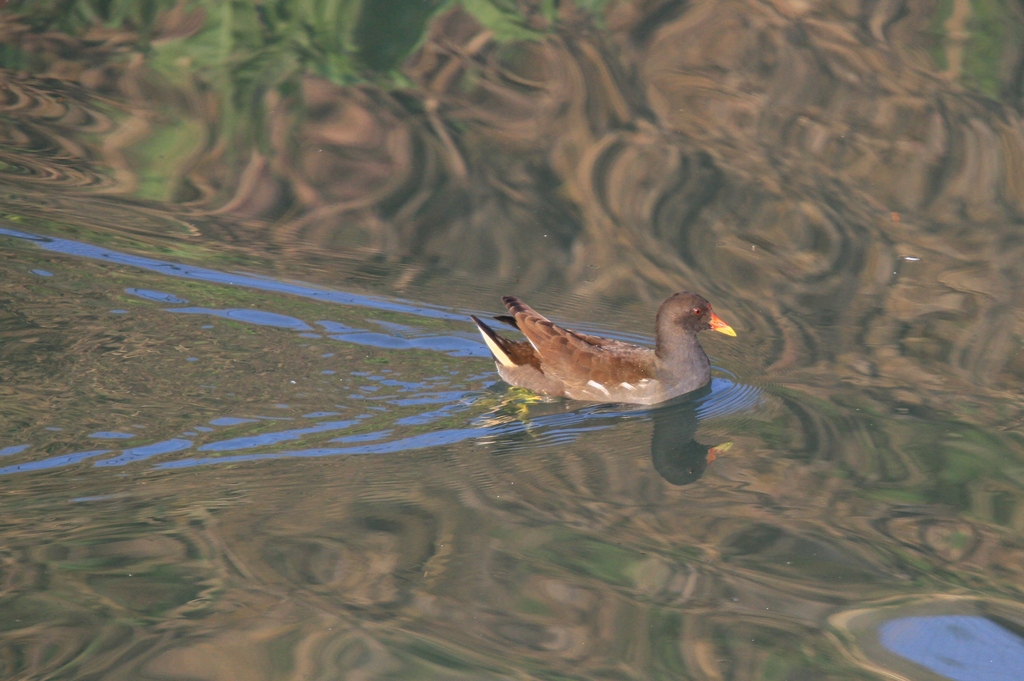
(677, 456)
(675, 453)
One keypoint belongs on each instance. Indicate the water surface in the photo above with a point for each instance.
(248, 430)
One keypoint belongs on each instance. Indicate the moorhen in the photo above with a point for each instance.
(564, 363)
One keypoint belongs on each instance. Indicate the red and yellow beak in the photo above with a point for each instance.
(718, 450)
(721, 327)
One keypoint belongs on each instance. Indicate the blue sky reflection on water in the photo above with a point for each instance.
(54, 462)
(959, 647)
(551, 430)
(76, 248)
(435, 439)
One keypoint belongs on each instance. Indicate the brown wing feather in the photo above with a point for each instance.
(576, 358)
(519, 352)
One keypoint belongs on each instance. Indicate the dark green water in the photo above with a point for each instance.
(248, 431)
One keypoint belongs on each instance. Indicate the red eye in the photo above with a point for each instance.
(697, 311)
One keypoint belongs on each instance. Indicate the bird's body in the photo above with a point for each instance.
(563, 363)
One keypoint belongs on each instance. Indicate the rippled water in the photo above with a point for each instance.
(248, 430)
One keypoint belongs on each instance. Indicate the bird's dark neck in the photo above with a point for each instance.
(681, 355)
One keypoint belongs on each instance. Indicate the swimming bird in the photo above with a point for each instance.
(563, 363)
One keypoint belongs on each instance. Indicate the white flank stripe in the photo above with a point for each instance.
(498, 353)
(599, 387)
(627, 386)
